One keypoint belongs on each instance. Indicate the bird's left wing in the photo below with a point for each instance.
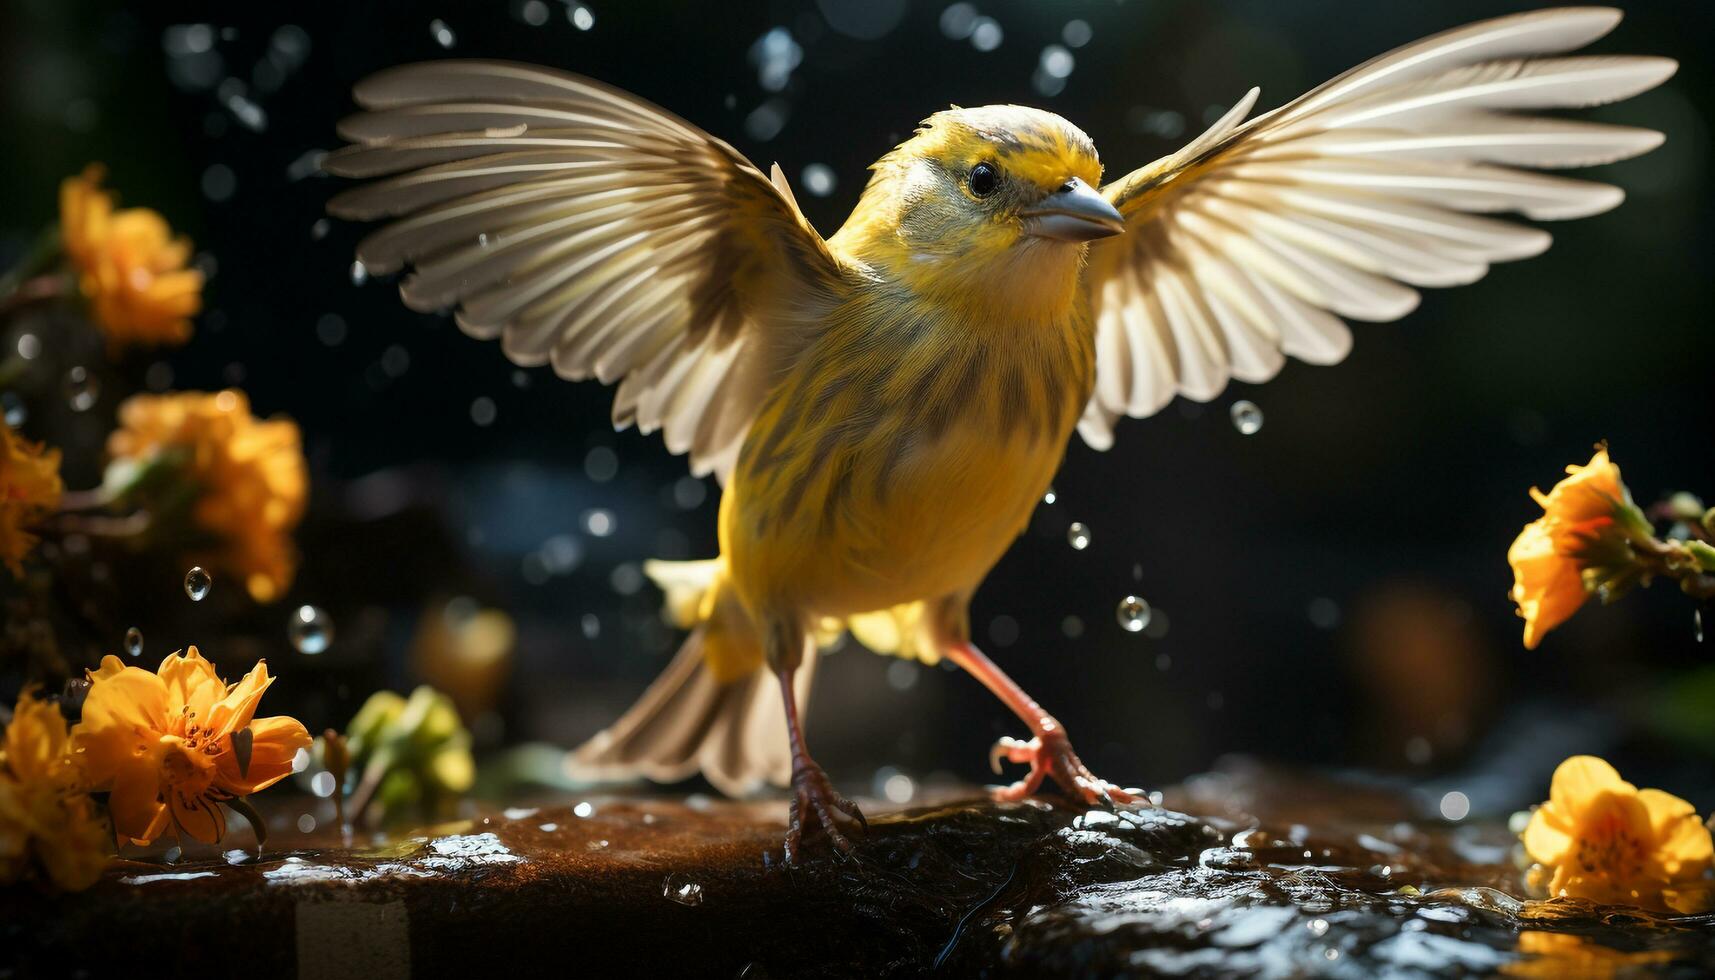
(590, 230)
(1251, 243)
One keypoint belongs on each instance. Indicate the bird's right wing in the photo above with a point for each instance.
(590, 230)
(1250, 244)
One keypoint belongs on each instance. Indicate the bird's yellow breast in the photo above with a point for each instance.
(902, 454)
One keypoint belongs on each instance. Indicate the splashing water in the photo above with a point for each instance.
(1132, 614)
(197, 583)
(133, 642)
(310, 630)
(686, 893)
(1247, 418)
(1078, 536)
(81, 389)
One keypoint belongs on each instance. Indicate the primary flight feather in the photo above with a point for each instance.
(886, 406)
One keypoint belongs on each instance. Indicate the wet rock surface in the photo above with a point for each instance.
(1281, 877)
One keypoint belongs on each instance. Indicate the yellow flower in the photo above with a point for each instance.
(48, 823)
(1547, 586)
(1586, 520)
(129, 265)
(1603, 839)
(250, 473)
(30, 488)
(171, 746)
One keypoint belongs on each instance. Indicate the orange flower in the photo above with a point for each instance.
(1586, 524)
(1548, 586)
(172, 746)
(30, 488)
(1600, 838)
(250, 473)
(48, 823)
(129, 265)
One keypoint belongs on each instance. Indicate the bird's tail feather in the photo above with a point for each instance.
(733, 730)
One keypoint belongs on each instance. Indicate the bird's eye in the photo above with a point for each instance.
(983, 179)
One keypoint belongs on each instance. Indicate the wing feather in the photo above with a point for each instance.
(586, 229)
(1251, 243)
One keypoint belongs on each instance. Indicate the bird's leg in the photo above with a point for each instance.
(811, 790)
(1047, 752)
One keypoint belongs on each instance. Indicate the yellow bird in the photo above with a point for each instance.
(886, 407)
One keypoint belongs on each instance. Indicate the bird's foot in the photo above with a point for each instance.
(1050, 754)
(812, 793)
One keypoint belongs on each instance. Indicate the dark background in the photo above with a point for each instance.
(1333, 589)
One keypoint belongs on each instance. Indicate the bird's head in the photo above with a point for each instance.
(999, 191)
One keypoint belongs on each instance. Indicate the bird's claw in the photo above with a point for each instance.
(812, 791)
(1050, 754)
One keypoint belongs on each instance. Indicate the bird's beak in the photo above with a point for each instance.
(1076, 212)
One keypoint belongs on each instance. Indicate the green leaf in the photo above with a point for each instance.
(1704, 554)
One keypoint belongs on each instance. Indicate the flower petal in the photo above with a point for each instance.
(127, 700)
(1581, 779)
(1683, 845)
(1547, 586)
(135, 806)
(235, 710)
(1546, 839)
(199, 816)
(191, 682)
(275, 741)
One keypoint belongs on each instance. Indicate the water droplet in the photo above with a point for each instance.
(81, 389)
(599, 521)
(958, 20)
(306, 823)
(14, 407)
(310, 630)
(1697, 624)
(1050, 496)
(1455, 806)
(601, 464)
(1078, 536)
(442, 34)
(819, 179)
(29, 346)
(1056, 61)
(986, 34)
(534, 13)
(902, 675)
(483, 411)
(583, 809)
(1133, 614)
(197, 583)
(581, 16)
(685, 893)
(359, 273)
(322, 784)
(133, 642)
(1317, 927)
(1247, 418)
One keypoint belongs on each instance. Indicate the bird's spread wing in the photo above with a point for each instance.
(1253, 242)
(592, 231)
